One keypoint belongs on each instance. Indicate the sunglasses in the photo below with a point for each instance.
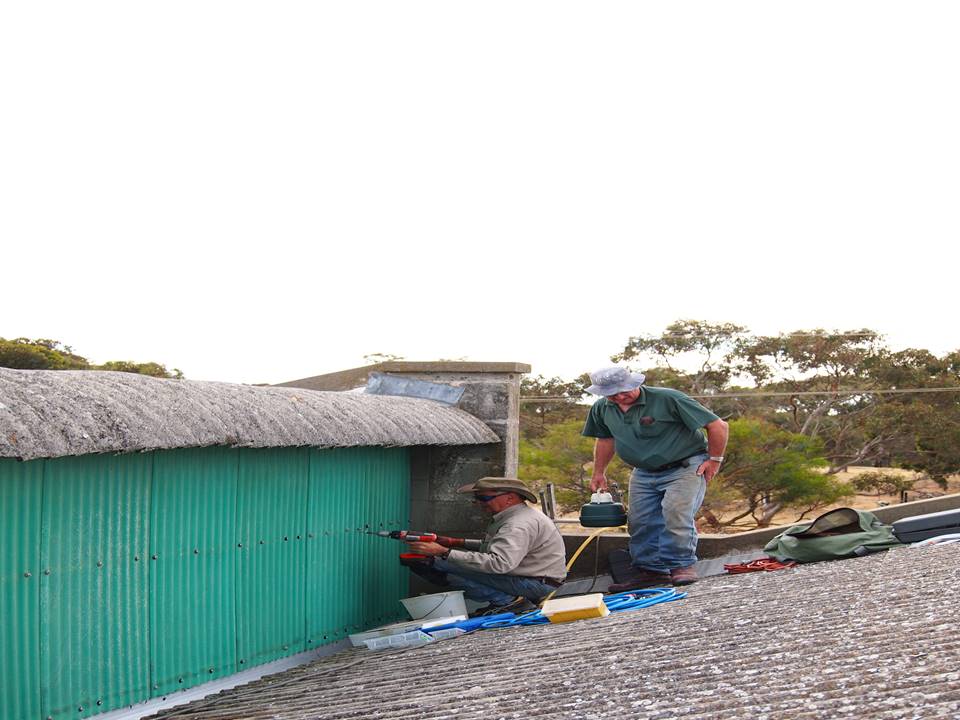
(486, 498)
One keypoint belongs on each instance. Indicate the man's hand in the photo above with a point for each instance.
(427, 548)
(717, 433)
(603, 451)
(598, 483)
(708, 468)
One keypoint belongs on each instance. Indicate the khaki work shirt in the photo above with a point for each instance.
(520, 541)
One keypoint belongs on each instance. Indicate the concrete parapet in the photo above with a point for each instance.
(891, 513)
(713, 546)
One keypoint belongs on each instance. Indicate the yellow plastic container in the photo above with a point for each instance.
(578, 607)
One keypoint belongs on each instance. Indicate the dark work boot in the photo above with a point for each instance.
(683, 576)
(641, 579)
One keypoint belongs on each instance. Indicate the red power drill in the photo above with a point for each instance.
(412, 536)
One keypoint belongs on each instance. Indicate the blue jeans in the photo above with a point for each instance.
(660, 517)
(495, 589)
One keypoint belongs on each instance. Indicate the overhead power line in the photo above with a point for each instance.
(863, 391)
(895, 391)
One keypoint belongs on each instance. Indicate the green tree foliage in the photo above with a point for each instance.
(711, 343)
(883, 483)
(767, 470)
(811, 359)
(148, 368)
(43, 354)
(916, 434)
(562, 456)
(816, 371)
(548, 401)
(816, 367)
(920, 431)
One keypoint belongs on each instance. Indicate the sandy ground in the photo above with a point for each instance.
(922, 489)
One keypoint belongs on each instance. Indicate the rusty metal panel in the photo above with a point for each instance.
(355, 581)
(94, 636)
(193, 576)
(271, 522)
(21, 485)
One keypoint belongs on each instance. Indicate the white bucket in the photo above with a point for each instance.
(438, 605)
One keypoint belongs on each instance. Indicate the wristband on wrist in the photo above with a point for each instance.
(717, 458)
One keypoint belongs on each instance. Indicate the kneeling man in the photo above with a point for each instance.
(522, 558)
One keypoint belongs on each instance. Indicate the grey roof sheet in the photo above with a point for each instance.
(47, 413)
(872, 637)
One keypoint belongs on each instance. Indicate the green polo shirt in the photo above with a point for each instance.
(661, 427)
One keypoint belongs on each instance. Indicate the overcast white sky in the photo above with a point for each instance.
(257, 192)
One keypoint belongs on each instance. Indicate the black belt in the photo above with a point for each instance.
(672, 466)
(551, 582)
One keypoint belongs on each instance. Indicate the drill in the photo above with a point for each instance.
(412, 536)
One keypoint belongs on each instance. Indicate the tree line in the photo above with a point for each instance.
(802, 406)
(45, 354)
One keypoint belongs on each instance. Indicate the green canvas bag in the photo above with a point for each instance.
(840, 533)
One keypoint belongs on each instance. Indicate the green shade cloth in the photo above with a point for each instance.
(838, 534)
(662, 427)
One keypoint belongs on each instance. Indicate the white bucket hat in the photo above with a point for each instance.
(612, 380)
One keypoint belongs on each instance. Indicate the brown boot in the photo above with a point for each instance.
(683, 576)
(640, 579)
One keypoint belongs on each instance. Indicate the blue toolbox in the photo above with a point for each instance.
(921, 527)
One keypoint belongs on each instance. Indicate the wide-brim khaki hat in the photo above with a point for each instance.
(500, 484)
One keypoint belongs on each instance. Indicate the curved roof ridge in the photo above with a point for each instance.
(53, 413)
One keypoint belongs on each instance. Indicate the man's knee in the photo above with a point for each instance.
(679, 518)
(685, 496)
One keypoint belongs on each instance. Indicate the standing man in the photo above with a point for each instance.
(522, 558)
(658, 431)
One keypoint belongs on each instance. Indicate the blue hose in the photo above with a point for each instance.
(632, 600)
(635, 599)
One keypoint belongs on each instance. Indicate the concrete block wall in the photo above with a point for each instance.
(492, 394)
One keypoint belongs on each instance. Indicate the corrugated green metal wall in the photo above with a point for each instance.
(128, 577)
(21, 499)
(193, 531)
(94, 624)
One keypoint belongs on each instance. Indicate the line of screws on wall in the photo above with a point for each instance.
(196, 551)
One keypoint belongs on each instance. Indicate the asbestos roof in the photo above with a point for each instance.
(52, 413)
(871, 637)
